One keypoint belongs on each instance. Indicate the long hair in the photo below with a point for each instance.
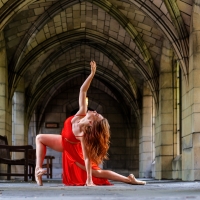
(97, 140)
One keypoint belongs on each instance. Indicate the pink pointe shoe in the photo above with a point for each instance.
(38, 175)
(134, 181)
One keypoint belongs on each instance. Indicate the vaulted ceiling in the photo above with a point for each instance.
(51, 42)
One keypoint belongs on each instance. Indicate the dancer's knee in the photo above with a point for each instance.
(38, 138)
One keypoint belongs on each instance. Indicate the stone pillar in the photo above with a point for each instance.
(5, 116)
(164, 117)
(146, 138)
(4, 127)
(191, 104)
(18, 133)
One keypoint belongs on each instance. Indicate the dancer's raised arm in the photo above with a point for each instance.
(83, 90)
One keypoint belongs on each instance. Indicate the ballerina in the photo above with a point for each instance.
(84, 143)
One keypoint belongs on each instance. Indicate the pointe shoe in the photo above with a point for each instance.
(38, 175)
(134, 181)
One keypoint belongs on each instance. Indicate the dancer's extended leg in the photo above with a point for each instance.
(43, 140)
(108, 174)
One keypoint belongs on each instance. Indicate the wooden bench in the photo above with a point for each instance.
(5, 158)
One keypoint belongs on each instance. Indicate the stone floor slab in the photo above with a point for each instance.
(54, 189)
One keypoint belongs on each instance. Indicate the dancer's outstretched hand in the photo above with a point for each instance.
(93, 67)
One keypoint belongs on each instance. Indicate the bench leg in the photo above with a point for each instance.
(8, 171)
(26, 173)
(51, 171)
(33, 173)
(48, 170)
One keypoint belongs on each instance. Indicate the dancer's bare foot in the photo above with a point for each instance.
(38, 175)
(90, 185)
(134, 181)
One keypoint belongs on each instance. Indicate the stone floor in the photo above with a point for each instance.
(54, 189)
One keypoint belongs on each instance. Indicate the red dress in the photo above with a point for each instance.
(72, 154)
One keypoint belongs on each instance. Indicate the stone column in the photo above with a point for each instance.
(5, 105)
(164, 117)
(4, 127)
(146, 138)
(18, 133)
(191, 104)
(5, 116)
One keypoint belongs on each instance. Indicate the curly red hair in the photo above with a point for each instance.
(97, 140)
